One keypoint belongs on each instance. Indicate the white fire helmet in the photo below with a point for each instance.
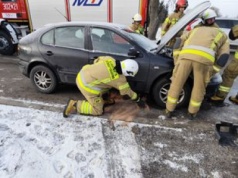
(137, 17)
(129, 67)
(208, 14)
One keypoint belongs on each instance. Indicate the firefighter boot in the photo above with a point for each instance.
(70, 108)
(234, 99)
(168, 113)
(217, 101)
(192, 116)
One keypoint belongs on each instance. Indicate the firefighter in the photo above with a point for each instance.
(95, 79)
(136, 25)
(229, 75)
(199, 51)
(173, 18)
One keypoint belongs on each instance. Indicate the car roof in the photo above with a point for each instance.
(88, 23)
(188, 17)
(224, 18)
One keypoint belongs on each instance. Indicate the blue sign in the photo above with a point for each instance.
(87, 2)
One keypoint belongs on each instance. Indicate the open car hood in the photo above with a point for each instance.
(188, 17)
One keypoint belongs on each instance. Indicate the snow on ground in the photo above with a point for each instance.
(42, 144)
(36, 143)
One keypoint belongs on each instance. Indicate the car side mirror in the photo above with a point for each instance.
(133, 53)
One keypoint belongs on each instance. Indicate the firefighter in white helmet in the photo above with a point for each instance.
(95, 79)
(136, 25)
(199, 52)
(229, 75)
(173, 18)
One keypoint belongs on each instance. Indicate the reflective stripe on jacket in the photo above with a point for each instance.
(137, 28)
(204, 44)
(101, 76)
(236, 55)
(170, 21)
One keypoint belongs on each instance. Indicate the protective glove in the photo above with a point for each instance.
(141, 103)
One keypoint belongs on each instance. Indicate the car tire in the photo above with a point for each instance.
(6, 45)
(43, 79)
(160, 91)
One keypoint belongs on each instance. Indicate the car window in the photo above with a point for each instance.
(224, 23)
(72, 37)
(108, 41)
(48, 38)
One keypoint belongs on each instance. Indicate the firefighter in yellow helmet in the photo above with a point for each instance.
(173, 18)
(95, 79)
(197, 56)
(229, 75)
(136, 25)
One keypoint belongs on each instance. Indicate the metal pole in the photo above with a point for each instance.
(67, 10)
(109, 11)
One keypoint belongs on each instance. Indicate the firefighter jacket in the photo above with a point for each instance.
(231, 71)
(101, 76)
(170, 21)
(234, 36)
(137, 28)
(203, 44)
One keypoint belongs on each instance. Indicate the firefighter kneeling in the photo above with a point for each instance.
(96, 79)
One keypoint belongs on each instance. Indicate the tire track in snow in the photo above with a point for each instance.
(49, 145)
(122, 152)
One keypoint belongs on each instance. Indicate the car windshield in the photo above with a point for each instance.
(144, 42)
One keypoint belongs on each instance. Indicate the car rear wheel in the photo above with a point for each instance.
(43, 79)
(161, 89)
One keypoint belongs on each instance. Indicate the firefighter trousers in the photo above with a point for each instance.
(182, 70)
(229, 75)
(93, 105)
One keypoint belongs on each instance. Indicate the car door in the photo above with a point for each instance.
(106, 42)
(64, 49)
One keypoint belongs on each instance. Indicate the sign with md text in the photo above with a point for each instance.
(87, 2)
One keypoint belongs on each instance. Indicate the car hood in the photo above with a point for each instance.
(188, 17)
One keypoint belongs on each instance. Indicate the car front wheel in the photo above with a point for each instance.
(43, 79)
(160, 92)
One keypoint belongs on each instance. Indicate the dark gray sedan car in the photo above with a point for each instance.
(55, 53)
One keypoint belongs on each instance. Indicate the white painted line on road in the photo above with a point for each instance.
(32, 102)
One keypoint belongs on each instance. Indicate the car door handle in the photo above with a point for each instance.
(92, 59)
(49, 53)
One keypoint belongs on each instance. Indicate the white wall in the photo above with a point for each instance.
(49, 11)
